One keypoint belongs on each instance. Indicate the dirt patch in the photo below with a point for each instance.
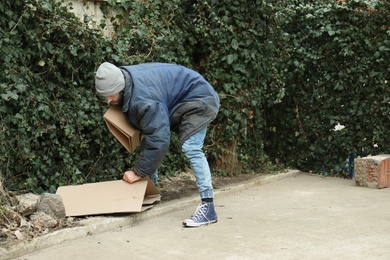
(181, 186)
(184, 185)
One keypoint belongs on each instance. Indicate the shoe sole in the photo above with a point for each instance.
(199, 224)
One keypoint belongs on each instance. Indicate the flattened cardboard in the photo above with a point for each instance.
(108, 197)
(116, 122)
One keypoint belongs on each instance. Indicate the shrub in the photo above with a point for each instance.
(337, 75)
(52, 132)
(287, 74)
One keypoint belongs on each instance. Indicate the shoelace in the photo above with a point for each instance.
(200, 212)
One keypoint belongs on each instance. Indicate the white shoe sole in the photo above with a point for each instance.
(194, 224)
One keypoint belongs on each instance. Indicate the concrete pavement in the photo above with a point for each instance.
(287, 216)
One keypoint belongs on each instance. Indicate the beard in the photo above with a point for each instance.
(119, 101)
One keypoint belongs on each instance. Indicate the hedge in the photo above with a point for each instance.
(337, 102)
(287, 73)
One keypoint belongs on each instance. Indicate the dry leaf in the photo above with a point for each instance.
(19, 235)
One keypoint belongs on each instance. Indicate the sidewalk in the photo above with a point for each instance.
(286, 216)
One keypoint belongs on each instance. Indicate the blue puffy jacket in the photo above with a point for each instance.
(160, 98)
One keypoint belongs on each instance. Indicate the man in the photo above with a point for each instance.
(157, 98)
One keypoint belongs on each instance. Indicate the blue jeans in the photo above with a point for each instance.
(192, 148)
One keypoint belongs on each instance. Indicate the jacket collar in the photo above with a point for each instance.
(128, 90)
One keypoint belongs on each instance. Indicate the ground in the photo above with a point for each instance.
(184, 184)
(181, 186)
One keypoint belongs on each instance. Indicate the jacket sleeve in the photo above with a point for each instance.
(154, 123)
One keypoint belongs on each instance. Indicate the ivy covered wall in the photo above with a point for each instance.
(288, 73)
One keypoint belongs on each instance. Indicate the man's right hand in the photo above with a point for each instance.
(130, 177)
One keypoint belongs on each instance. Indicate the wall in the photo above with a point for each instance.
(92, 9)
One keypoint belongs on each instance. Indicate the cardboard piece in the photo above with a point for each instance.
(116, 122)
(109, 197)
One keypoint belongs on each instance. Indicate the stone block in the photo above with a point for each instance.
(373, 171)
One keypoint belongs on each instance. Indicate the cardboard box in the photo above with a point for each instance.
(116, 122)
(109, 197)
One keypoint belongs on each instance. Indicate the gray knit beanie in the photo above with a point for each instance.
(109, 80)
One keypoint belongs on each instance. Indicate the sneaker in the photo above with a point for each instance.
(204, 215)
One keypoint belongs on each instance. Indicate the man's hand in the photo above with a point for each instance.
(130, 177)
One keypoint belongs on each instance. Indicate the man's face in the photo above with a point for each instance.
(116, 99)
